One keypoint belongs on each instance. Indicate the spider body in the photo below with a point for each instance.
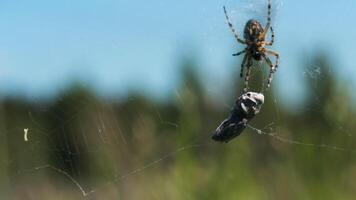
(253, 31)
(255, 41)
(253, 35)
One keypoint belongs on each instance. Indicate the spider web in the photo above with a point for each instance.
(88, 137)
(107, 137)
(69, 146)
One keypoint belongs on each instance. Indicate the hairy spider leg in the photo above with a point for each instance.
(272, 37)
(247, 76)
(239, 53)
(243, 64)
(268, 18)
(277, 57)
(232, 28)
(270, 77)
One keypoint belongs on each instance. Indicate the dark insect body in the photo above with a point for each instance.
(245, 109)
(255, 41)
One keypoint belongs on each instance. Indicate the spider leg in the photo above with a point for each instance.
(239, 53)
(243, 64)
(232, 28)
(268, 18)
(272, 70)
(277, 57)
(247, 76)
(272, 38)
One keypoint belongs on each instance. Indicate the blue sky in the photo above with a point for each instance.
(116, 45)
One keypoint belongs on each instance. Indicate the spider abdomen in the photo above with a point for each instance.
(253, 31)
(253, 34)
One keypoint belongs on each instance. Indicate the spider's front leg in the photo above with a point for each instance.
(243, 64)
(268, 18)
(239, 53)
(277, 58)
(270, 77)
(238, 39)
(247, 76)
(272, 38)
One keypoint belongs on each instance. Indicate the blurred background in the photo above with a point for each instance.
(120, 99)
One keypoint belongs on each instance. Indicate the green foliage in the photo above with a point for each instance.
(97, 142)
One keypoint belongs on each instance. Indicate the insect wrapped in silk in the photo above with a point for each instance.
(247, 106)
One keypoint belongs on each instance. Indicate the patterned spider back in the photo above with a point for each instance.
(253, 31)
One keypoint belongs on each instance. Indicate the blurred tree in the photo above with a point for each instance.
(71, 130)
(4, 157)
(96, 141)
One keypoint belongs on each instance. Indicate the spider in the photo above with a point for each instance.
(255, 41)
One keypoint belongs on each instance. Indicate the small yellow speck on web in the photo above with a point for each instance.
(25, 136)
